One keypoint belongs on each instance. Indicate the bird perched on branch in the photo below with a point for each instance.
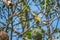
(37, 19)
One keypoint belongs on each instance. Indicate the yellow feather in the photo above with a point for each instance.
(37, 19)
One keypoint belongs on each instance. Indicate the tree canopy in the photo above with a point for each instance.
(30, 19)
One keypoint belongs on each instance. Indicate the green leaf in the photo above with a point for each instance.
(56, 30)
(3, 6)
(43, 3)
(25, 8)
(28, 34)
(27, 23)
(47, 1)
(24, 0)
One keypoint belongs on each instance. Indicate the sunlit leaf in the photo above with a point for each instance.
(56, 30)
(28, 34)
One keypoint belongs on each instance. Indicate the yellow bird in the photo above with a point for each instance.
(37, 19)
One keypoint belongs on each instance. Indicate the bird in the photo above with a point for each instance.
(37, 19)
